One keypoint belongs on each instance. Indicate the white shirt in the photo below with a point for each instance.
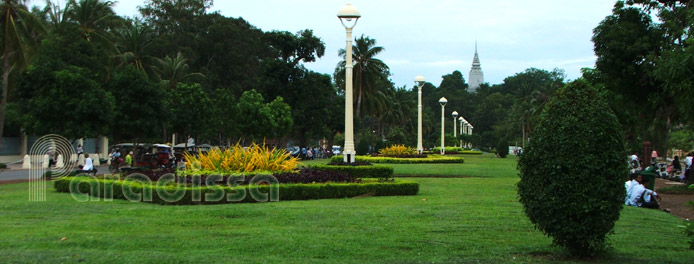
(635, 195)
(647, 195)
(688, 161)
(88, 164)
(628, 185)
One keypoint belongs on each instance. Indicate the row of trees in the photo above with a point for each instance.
(81, 70)
(645, 63)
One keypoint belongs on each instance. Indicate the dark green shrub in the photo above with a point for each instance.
(362, 147)
(378, 145)
(3, 166)
(502, 148)
(573, 170)
(116, 189)
(380, 172)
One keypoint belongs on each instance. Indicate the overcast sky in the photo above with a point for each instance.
(435, 37)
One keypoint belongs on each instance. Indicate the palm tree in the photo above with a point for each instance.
(368, 70)
(20, 30)
(94, 18)
(170, 71)
(56, 16)
(133, 43)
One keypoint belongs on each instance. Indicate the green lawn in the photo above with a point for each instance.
(475, 219)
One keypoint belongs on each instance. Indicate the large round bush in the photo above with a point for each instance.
(573, 170)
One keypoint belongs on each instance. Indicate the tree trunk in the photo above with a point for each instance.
(5, 87)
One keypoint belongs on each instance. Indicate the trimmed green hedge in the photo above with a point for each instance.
(167, 194)
(430, 159)
(380, 172)
(456, 150)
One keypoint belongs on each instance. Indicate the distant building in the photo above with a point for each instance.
(476, 76)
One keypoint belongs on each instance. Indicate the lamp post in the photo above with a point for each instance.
(461, 129)
(347, 15)
(469, 131)
(443, 102)
(455, 127)
(419, 81)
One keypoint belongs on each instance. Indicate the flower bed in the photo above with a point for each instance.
(169, 193)
(238, 159)
(430, 159)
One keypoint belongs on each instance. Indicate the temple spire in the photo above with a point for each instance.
(476, 76)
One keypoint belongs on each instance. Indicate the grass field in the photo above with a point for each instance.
(476, 219)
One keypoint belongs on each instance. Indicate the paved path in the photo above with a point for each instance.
(19, 174)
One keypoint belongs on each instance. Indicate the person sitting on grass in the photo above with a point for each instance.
(650, 198)
(640, 196)
(634, 179)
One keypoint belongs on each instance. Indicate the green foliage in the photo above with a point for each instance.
(66, 100)
(502, 148)
(573, 170)
(287, 192)
(362, 147)
(3, 166)
(682, 139)
(258, 120)
(430, 159)
(140, 104)
(191, 106)
(380, 172)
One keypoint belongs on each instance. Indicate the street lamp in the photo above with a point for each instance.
(419, 81)
(461, 129)
(469, 131)
(348, 16)
(455, 128)
(443, 102)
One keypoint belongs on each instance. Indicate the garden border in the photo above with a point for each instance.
(152, 193)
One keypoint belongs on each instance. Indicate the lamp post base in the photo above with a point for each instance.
(350, 157)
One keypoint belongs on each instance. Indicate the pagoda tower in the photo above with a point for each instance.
(476, 76)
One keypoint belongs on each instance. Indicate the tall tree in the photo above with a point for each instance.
(95, 19)
(170, 71)
(629, 46)
(19, 32)
(134, 43)
(369, 71)
(140, 105)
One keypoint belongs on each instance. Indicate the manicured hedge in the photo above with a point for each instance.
(430, 159)
(456, 150)
(380, 172)
(114, 189)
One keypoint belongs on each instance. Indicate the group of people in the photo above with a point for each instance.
(115, 157)
(676, 166)
(312, 153)
(637, 193)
